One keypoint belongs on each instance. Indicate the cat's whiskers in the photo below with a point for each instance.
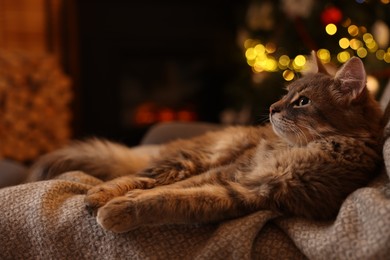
(263, 119)
(303, 135)
(312, 131)
(299, 134)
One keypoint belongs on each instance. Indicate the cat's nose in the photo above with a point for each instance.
(273, 109)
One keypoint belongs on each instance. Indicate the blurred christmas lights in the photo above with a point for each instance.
(331, 29)
(356, 41)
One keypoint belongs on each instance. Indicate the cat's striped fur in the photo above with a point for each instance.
(324, 141)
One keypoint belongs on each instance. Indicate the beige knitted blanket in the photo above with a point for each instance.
(47, 220)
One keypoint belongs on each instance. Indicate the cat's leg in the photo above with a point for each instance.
(167, 172)
(177, 161)
(102, 159)
(172, 166)
(185, 158)
(99, 195)
(189, 201)
(155, 207)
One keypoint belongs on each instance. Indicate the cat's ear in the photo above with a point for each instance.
(352, 78)
(318, 66)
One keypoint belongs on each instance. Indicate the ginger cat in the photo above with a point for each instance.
(322, 143)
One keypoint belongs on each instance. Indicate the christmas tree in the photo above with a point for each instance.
(277, 38)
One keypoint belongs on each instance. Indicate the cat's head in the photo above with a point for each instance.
(319, 105)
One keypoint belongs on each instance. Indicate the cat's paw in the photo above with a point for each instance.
(170, 172)
(99, 195)
(119, 215)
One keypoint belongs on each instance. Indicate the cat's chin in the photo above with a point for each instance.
(289, 132)
(290, 138)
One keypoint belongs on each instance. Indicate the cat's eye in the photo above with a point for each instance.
(302, 101)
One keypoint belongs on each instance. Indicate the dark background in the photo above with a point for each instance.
(173, 54)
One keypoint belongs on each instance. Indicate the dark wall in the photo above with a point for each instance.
(173, 53)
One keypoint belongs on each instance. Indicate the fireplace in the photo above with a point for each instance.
(141, 63)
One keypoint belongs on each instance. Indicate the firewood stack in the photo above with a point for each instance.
(35, 99)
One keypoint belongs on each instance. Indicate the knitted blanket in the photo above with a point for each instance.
(47, 220)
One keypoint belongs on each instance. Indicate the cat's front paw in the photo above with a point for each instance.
(119, 215)
(99, 195)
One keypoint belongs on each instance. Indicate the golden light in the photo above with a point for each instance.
(248, 43)
(284, 60)
(250, 54)
(323, 55)
(259, 64)
(299, 62)
(362, 52)
(346, 23)
(362, 29)
(343, 56)
(386, 57)
(271, 64)
(251, 62)
(260, 49)
(257, 68)
(372, 46)
(270, 47)
(380, 54)
(355, 44)
(367, 38)
(261, 57)
(353, 30)
(385, 1)
(331, 29)
(372, 84)
(344, 43)
(265, 64)
(288, 75)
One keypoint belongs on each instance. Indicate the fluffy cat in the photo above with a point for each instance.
(324, 141)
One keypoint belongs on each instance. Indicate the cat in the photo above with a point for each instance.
(323, 141)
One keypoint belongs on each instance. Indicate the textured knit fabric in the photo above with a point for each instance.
(47, 220)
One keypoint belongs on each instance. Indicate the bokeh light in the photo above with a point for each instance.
(372, 84)
(368, 38)
(386, 57)
(250, 54)
(353, 30)
(260, 49)
(263, 57)
(343, 56)
(380, 54)
(323, 55)
(361, 52)
(270, 47)
(299, 62)
(288, 75)
(331, 29)
(355, 44)
(284, 61)
(344, 43)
